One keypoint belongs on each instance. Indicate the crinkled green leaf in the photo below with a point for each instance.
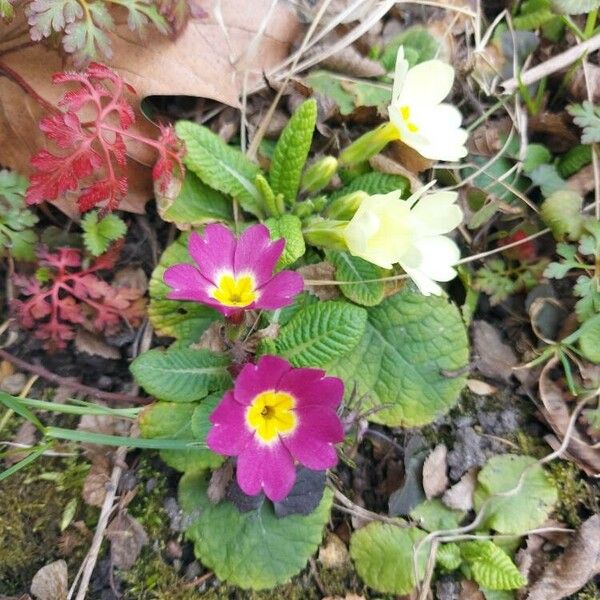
(98, 235)
(301, 301)
(575, 7)
(181, 374)
(220, 166)
(574, 160)
(419, 46)
(587, 116)
(589, 340)
(321, 333)
(410, 357)
(183, 320)
(562, 213)
(353, 268)
(533, 14)
(196, 204)
(288, 227)
(588, 291)
(491, 567)
(375, 183)
(527, 507)
(383, 556)
(434, 515)
(254, 549)
(448, 556)
(292, 151)
(174, 421)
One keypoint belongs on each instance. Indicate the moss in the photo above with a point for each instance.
(32, 503)
(590, 592)
(575, 497)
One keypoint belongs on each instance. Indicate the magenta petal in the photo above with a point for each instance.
(312, 391)
(254, 379)
(187, 283)
(270, 468)
(229, 433)
(312, 442)
(280, 291)
(256, 253)
(214, 251)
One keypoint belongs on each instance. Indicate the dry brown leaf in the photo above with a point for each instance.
(219, 480)
(574, 568)
(322, 271)
(481, 388)
(350, 61)
(94, 345)
(408, 158)
(578, 86)
(209, 59)
(127, 538)
(13, 384)
(349, 596)
(583, 181)
(132, 278)
(385, 164)
(98, 477)
(493, 357)
(488, 139)
(469, 590)
(460, 495)
(555, 126)
(25, 435)
(21, 597)
(333, 554)
(557, 414)
(50, 582)
(213, 338)
(435, 479)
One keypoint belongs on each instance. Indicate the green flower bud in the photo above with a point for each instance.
(369, 144)
(326, 233)
(345, 206)
(319, 174)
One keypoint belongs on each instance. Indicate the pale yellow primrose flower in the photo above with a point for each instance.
(387, 230)
(423, 121)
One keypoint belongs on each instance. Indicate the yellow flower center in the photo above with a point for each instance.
(405, 114)
(238, 292)
(270, 414)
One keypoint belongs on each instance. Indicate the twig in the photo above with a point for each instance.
(73, 385)
(552, 65)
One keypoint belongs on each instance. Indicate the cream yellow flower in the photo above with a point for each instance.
(387, 230)
(422, 120)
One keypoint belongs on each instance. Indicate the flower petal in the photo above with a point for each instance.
(436, 214)
(400, 72)
(426, 84)
(214, 251)
(280, 290)
(229, 434)
(187, 283)
(270, 468)
(257, 254)
(255, 379)
(312, 441)
(311, 389)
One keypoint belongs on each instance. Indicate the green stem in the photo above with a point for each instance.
(590, 24)
(84, 409)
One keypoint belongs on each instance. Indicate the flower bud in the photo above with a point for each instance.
(319, 174)
(369, 144)
(343, 208)
(326, 233)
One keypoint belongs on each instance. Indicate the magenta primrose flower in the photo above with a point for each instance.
(232, 274)
(275, 416)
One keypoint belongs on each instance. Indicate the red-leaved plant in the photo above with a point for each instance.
(92, 154)
(63, 296)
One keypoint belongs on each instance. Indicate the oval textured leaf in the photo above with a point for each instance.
(181, 374)
(321, 333)
(408, 357)
(383, 556)
(186, 321)
(255, 549)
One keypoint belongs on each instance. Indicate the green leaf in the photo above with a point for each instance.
(220, 166)
(349, 93)
(408, 357)
(546, 177)
(196, 204)
(574, 160)
(575, 7)
(352, 268)
(492, 179)
(491, 567)
(87, 37)
(533, 15)
(383, 556)
(169, 420)
(7, 11)
(419, 46)
(98, 235)
(508, 511)
(181, 374)
(292, 151)
(562, 213)
(321, 333)
(589, 340)
(448, 556)
(434, 515)
(586, 288)
(536, 155)
(185, 321)
(375, 183)
(255, 549)
(586, 116)
(288, 227)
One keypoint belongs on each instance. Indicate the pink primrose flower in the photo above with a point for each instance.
(233, 275)
(275, 416)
